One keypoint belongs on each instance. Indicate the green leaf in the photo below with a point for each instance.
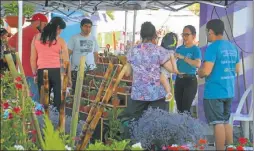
(13, 9)
(120, 145)
(98, 146)
(110, 14)
(195, 8)
(52, 137)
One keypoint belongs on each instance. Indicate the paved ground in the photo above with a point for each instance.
(237, 134)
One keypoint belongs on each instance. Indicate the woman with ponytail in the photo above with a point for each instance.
(46, 52)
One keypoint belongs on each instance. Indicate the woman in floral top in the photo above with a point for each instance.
(144, 63)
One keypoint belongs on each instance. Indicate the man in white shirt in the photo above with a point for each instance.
(83, 44)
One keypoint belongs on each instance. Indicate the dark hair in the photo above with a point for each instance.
(192, 29)
(170, 41)
(49, 31)
(3, 31)
(86, 21)
(147, 31)
(216, 25)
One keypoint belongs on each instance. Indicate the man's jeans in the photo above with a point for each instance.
(34, 92)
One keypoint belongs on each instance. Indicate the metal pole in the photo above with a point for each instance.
(20, 33)
(134, 27)
(125, 29)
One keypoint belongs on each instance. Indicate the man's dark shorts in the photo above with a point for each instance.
(217, 111)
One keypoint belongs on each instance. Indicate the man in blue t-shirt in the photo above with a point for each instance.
(219, 69)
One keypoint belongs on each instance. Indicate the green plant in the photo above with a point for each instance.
(114, 125)
(122, 84)
(15, 113)
(98, 146)
(120, 145)
(195, 8)
(110, 14)
(2, 22)
(116, 145)
(93, 92)
(13, 9)
(52, 139)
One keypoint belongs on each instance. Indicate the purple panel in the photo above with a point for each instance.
(203, 14)
(243, 41)
(206, 11)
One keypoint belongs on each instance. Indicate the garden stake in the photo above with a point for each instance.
(64, 82)
(46, 92)
(111, 88)
(23, 107)
(38, 130)
(22, 73)
(76, 100)
(11, 65)
(98, 97)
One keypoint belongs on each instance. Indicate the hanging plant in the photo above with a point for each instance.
(11, 11)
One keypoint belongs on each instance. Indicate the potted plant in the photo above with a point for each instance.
(113, 132)
(83, 103)
(84, 94)
(87, 108)
(92, 95)
(11, 13)
(115, 102)
(122, 87)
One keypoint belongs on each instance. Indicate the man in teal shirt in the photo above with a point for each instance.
(219, 69)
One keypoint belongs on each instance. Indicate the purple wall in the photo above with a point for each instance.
(245, 41)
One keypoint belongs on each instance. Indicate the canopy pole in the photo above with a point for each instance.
(252, 63)
(125, 29)
(134, 27)
(20, 23)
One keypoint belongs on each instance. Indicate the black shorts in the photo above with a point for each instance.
(217, 111)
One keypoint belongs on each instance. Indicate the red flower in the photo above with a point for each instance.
(10, 116)
(17, 109)
(33, 131)
(239, 148)
(18, 86)
(243, 141)
(38, 112)
(172, 148)
(230, 149)
(183, 148)
(6, 105)
(34, 139)
(18, 79)
(1, 75)
(76, 138)
(201, 147)
(202, 141)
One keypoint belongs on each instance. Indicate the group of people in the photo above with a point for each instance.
(148, 63)
(44, 49)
